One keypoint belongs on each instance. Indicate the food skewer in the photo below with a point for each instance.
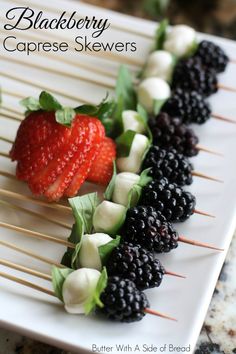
(37, 214)
(49, 292)
(10, 116)
(11, 110)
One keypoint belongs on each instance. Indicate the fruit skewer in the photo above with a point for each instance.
(108, 285)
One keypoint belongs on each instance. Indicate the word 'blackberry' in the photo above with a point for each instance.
(169, 164)
(189, 106)
(212, 56)
(171, 200)
(123, 301)
(170, 133)
(148, 228)
(137, 264)
(190, 75)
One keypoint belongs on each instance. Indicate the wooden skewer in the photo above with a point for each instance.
(225, 119)
(202, 148)
(38, 235)
(167, 272)
(44, 87)
(14, 195)
(73, 75)
(10, 116)
(199, 244)
(6, 139)
(4, 154)
(201, 175)
(12, 93)
(26, 283)
(7, 174)
(203, 213)
(37, 214)
(11, 110)
(30, 254)
(25, 269)
(226, 88)
(159, 314)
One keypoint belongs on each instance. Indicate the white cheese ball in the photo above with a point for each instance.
(78, 288)
(123, 184)
(89, 255)
(152, 89)
(159, 64)
(133, 162)
(131, 121)
(180, 40)
(108, 217)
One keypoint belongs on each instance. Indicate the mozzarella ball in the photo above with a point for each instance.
(78, 288)
(152, 89)
(160, 64)
(123, 184)
(89, 254)
(109, 217)
(133, 162)
(131, 121)
(180, 40)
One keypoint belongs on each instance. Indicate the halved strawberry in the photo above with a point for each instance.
(102, 167)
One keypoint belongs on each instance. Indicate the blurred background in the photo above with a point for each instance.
(212, 16)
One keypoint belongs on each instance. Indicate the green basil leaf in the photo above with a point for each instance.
(83, 210)
(124, 143)
(75, 255)
(144, 120)
(157, 105)
(48, 102)
(59, 275)
(106, 250)
(125, 89)
(95, 298)
(65, 116)
(84, 207)
(110, 188)
(136, 191)
(160, 35)
(31, 104)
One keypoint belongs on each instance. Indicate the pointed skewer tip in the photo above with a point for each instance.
(203, 213)
(199, 244)
(175, 274)
(159, 314)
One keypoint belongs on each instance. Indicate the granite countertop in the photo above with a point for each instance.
(218, 335)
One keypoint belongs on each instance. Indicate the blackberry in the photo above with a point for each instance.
(137, 264)
(123, 301)
(148, 228)
(169, 199)
(190, 75)
(170, 133)
(212, 56)
(169, 164)
(190, 106)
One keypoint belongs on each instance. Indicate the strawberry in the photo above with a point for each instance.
(102, 167)
(57, 175)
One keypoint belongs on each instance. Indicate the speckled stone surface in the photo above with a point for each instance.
(218, 335)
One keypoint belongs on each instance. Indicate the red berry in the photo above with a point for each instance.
(102, 167)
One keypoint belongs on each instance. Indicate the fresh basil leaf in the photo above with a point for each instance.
(84, 207)
(157, 104)
(136, 191)
(83, 210)
(31, 104)
(65, 116)
(124, 143)
(125, 89)
(48, 102)
(59, 275)
(110, 188)
(75, 255)
(143, 115)
(192, 49)
(94, 301)
(106, 250)
(160, 35)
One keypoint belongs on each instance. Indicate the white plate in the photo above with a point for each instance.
(39, 316)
